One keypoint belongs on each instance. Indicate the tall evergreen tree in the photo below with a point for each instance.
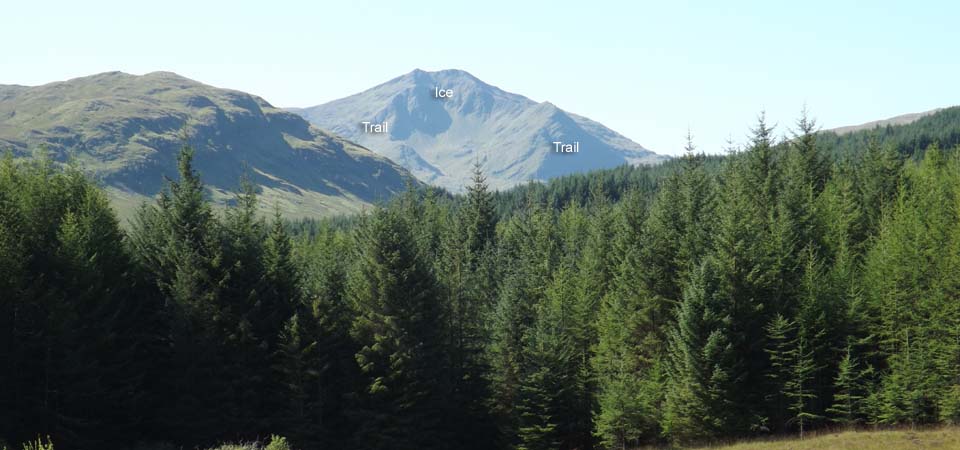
(324, 320)
(399, 327)
(746, 261)
(469, 285)
(704, 373)
(479, 217)
(177, 244)
(529, 253)
(698, 210)
(550, 416)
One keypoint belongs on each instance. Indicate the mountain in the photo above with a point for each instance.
(903, 119)
(126, 131)
(440, 139)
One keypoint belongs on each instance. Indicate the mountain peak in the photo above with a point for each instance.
(441, 122)
(448, 77)
(163, 74)
(448, 72)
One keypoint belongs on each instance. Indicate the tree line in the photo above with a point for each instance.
(775, 290)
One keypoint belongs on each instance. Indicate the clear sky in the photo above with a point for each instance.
(649, 70)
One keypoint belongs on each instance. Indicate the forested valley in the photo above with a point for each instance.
(794, 284)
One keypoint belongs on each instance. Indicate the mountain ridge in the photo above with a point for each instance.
(439, 140)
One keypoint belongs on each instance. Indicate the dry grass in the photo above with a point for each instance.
(937, 438)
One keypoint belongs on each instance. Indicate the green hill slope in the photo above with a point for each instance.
(125, 131)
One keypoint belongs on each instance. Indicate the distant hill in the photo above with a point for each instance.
(903, 119)
(126, 130)
(907, 135)
(439, 139)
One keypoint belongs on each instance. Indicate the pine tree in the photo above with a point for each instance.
(878, 179)
(803, 179)
(548, 391)
(13, 257)
(703, 371)
(479, 218)
(177, 245)
(847, 408)
(904, 290)
(528, 253)
(248, 342)
(72, 345)
(792, 370)
(629, 328)
(326, 318)
(698, 210)
(294, 367)
(805, 156)
(281, 296)
(469, 285)
(781, 335)
(399, 327)
(798, 389)
(745, 259)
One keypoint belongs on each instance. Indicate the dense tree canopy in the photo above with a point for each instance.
(790, 285)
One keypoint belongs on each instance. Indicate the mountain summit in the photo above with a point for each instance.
(438, 124)
(126, 130)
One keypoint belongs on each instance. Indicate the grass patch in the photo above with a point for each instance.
(936, 438)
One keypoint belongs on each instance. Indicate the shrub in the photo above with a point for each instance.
(38, 444)
(278, 443)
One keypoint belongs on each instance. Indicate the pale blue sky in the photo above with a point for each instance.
(649, 70)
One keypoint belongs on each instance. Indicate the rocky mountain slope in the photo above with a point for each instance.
(440, 138)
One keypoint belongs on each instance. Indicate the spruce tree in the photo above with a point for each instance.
(798, 388)
(479, 218)
(399, 328)
(792, 370)
(72, 344)
(629, 330)
(745, 259)
(698, 210)
(177, 245)
(704, 373)
(549, 388)
(325, 319)
(781, 337)
(528, 254)
(469, 287)
(847, 408)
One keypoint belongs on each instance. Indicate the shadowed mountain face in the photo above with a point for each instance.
(439, 139)
(126, 130)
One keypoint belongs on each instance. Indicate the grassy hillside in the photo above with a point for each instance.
(943, 438)
(125, 131)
